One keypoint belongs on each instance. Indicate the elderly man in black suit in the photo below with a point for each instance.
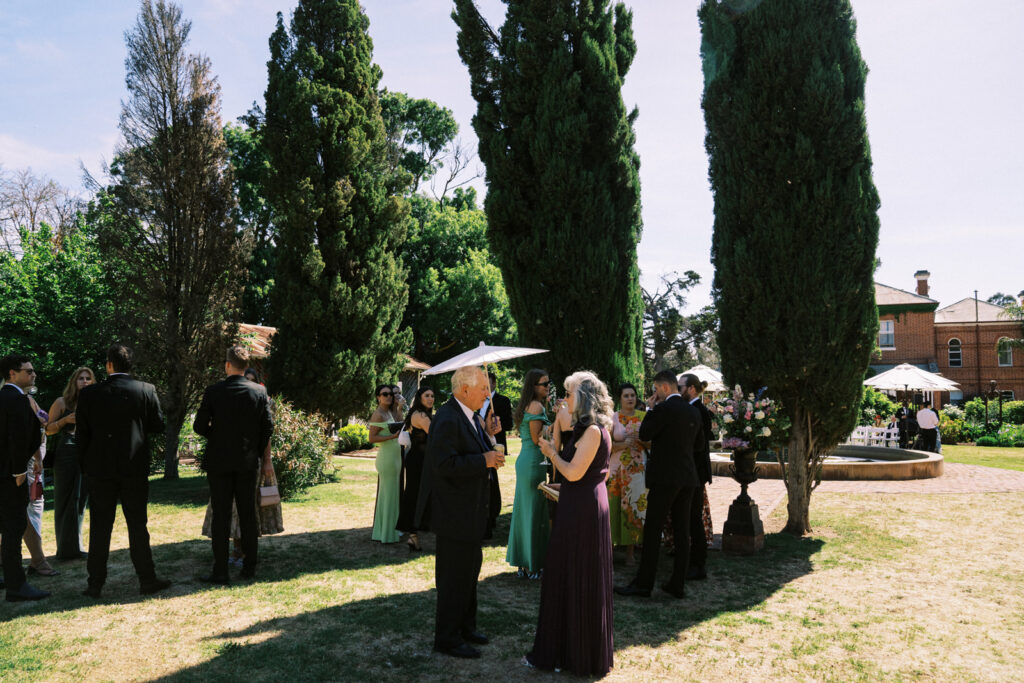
(19, 440)
(455, 482)
(115, 420)
(673, 427)
(235, 418)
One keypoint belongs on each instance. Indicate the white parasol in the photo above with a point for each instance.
(705, 374)
(482, 355)
(905, 377)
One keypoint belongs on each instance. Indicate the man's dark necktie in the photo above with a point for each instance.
(485, 440)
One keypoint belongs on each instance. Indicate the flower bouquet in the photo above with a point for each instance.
(751, 422)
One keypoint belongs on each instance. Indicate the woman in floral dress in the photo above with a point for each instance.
(627, 491)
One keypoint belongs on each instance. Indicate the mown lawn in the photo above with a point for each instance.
(1003, 458)
(901, 587)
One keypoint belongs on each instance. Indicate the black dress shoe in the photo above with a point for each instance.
(153, 586)
(221, 580)
(677, 593)
(2, 584)
(26, 592)
(247, 574)
(462, 651)
(696, 574)
(92, 591)
(633, 589)
(476, 638)
(77, 556)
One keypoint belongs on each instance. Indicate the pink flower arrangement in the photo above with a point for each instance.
(751, 421)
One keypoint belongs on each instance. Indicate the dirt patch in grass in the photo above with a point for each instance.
(895, 587)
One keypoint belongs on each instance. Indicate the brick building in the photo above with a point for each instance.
(960, 341)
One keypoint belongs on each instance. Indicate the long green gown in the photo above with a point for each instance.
(389, 468)
(528, 535)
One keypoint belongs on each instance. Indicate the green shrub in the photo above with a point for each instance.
(300, 448)
(875, 403)
(953, 431)
(1013, 412)
(953, 412)
(353, 437)
(1009, 435)
(986, 441)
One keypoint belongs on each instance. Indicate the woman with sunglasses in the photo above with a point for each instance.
(389, 467)
(528, 535)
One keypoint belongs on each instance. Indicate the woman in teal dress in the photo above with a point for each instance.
(528, 535)
(389, 467)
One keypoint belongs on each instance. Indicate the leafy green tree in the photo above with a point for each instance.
(456, 295)
(165, 223)
(1000, 299)
(339, 288)
(796, 222)
(563, 199)
(673, 339)
(418, 131)
(55, 305)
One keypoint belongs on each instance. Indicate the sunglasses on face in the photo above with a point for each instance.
(385, 393)
(543, 384)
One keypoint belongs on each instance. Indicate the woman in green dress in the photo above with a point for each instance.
(528, 535)
(389, 467)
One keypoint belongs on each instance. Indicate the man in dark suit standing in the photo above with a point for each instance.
(115, 420)
(19, 440)
(496, 407)
(235, 418)
(692, 388)
(673, 427)
(455, 481)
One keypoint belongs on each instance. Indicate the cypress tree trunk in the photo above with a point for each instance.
(563, 199)
(339, 289)
(796, 222)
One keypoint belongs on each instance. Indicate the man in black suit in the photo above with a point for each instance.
(235, 418)
(19, 439)
(459, 453)
(496, 407)
(691, 388)
(673, 427)
(115, 420)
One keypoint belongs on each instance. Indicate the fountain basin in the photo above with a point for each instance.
(853, 463)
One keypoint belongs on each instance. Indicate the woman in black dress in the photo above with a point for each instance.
(574, 628)
(417, 423)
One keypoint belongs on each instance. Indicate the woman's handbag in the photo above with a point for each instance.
(405, 439)
(269, 495)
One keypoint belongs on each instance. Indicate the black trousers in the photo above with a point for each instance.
(456, 569)
(104, 494)
(698, 543)
(662, 500)
(929, 437)
(69, 500)
(13, 520)
(494, 506)
(240, 488)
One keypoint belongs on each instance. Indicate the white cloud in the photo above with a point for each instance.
(62, 166)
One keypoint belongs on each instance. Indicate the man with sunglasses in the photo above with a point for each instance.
(20, 437)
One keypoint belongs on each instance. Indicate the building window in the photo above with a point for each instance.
(956, 358)
(887, 334)
(1007, 395)
(1005, 353)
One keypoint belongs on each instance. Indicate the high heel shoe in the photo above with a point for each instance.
(414, 543)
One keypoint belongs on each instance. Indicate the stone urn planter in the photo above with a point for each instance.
(743, 532)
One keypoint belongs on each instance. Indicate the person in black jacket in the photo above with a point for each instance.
(20, 437)
(459, 454)
(673, 427)
(692, 388)
(235, 418)
(496, 407)
(115, 419)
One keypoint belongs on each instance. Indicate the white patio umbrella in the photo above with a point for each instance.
(482, 355)
(710, 375)
(905, 377)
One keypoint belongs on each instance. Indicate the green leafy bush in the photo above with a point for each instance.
(875, 403)
(300, 448)
(1010, 435)
(353, 437)
(953, 431)
(986, 441)
(953, 412)
(1013, 412)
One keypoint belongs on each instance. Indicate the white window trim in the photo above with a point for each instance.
(959, 350)
(999, 354)
(892, 334)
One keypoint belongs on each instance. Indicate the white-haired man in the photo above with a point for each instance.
(455, 485)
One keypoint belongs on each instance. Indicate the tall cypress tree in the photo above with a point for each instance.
(339, 288)
(563, 197)
(796, 222)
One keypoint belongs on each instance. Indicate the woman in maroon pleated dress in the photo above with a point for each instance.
(574, 628)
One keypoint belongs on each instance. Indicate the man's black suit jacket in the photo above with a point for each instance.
(454, 477)
(235, 418)
(502, 407)
(113, 420)
(674, 429)
(19, 431)
(702, 456)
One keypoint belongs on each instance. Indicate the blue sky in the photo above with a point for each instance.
(944, 102)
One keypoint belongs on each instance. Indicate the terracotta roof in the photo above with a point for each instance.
(891, 296)
(259, 338)
(963, 312)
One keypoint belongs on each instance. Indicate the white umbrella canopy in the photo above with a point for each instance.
(905, 377)
(482, 355)
(710, 375)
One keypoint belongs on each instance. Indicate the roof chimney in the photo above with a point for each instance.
(922, 282)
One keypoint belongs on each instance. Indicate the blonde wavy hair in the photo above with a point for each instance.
(593, 403)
